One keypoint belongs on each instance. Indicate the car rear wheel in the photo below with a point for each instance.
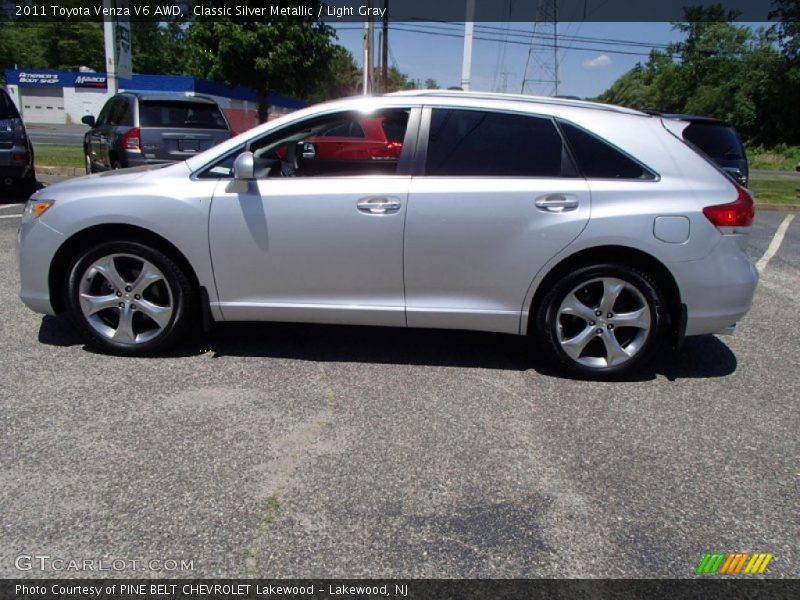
(129, 299)
(602, 321)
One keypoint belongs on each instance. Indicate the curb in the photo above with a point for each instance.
(61, 171)
(783, 207)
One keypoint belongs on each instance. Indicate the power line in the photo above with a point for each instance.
(409, 29)
(545, 41)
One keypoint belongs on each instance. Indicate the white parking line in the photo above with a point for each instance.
(10, 216)
(774, 244)
(14, 205)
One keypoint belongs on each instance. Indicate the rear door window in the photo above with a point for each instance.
(181, 115)
(598, 159)
(472, 143)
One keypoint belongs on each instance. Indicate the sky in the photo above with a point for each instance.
(586, 68)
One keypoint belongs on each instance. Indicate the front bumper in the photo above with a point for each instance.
(36, 246)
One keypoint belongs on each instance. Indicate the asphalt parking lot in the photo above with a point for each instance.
(314, 451)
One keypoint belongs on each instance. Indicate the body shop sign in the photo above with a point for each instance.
(39, 78)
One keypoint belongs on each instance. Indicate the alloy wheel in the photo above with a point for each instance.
(603, 322)
(125, 298)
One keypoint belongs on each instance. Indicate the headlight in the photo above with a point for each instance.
(36, 208)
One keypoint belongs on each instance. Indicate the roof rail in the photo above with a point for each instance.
(553, 100)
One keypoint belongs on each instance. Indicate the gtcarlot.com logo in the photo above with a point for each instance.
(734, 563)
(44, 562)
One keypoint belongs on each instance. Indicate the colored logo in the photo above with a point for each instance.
(734, 563)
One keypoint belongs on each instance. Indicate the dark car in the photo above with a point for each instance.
(719, 141)
(16, 152)
(141, 129)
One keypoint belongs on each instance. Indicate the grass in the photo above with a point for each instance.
(779, 158)
(776, 190)
(58, 155)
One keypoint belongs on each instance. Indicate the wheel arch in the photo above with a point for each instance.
(624, 255)
(106, 233)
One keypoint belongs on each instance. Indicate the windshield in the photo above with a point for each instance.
(178, 114)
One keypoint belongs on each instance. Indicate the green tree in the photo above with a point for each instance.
(158, 47)
(70, 45)
(342, 77)
(286, 56)
(431, 84)
(719, 69)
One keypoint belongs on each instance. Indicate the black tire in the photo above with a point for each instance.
(549, 325)
(183, 299)
(88, 164)
(27, 187)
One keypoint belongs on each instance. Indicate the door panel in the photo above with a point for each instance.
(474, 245)
(309, 249)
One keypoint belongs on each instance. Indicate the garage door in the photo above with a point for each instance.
(42, 104)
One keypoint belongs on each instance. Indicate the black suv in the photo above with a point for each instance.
(138, 129)
(16, 152)
(719, 141)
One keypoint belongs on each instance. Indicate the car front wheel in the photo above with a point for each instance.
(602, 321)
(129, 299)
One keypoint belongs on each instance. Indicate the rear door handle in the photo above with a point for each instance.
(378, 205)
(556, 203)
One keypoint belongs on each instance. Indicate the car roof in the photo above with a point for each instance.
(171, 97)
(517, 98)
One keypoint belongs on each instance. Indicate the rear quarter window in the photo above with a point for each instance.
(716, 140)
(180, 115)
(598, 159)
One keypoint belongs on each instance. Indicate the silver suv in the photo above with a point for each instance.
(594, 228)
(136, 129)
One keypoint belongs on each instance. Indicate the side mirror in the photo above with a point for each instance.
(88, 120)
(307, 150)
(244, 166)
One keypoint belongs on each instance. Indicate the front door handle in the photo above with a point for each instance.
(556, 203)
(378, 205)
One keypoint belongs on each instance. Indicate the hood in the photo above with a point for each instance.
(108, 178)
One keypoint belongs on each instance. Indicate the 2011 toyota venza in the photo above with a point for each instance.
(594, 228)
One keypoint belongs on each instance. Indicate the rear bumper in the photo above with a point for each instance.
(16, 171)
(136, 159)
(718, 290)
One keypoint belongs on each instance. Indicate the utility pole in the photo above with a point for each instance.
(469, 29)
(385, 48)
(110, 39)
(369, 39)
(555, 44)
(541, 68)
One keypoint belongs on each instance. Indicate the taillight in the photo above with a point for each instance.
(20, 156)
(739, 213)
(131, 139)
(390, 151)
